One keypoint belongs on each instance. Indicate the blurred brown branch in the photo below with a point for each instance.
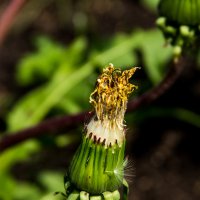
(8, 17)
(157, 91)
(51, 126)
(56, 125)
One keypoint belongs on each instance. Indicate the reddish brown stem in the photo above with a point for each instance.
(51, 126)
(8, 17)
(55, 125)
(157, 91)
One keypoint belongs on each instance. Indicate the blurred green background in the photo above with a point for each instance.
(48, 66)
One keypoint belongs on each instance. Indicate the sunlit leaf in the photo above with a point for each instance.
(151, 4)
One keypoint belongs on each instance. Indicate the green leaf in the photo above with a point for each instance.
(7, 185)
(119, 49)
(35, 105)
(24, 191)
(51, 180)
(11, 189)
(42, 63)
(130, 58)
(33, 108)
(17, 153)
(151, 4)
(155, 55)
(49, 58)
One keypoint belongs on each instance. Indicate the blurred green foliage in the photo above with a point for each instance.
(61, 77)
(151, 4)
(66, 76)
(65, 69)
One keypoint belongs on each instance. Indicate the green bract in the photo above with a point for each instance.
(97, 168)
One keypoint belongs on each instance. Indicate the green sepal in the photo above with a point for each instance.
(116, 195)
(84, 195)
(74, 195)
(97, 168)
(111, 195)
(95, 198)
(108, 195)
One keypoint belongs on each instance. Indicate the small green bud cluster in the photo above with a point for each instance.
(180, 23)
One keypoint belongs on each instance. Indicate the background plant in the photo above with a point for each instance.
(52, 74)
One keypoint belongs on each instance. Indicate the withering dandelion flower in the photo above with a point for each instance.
(98, 167)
